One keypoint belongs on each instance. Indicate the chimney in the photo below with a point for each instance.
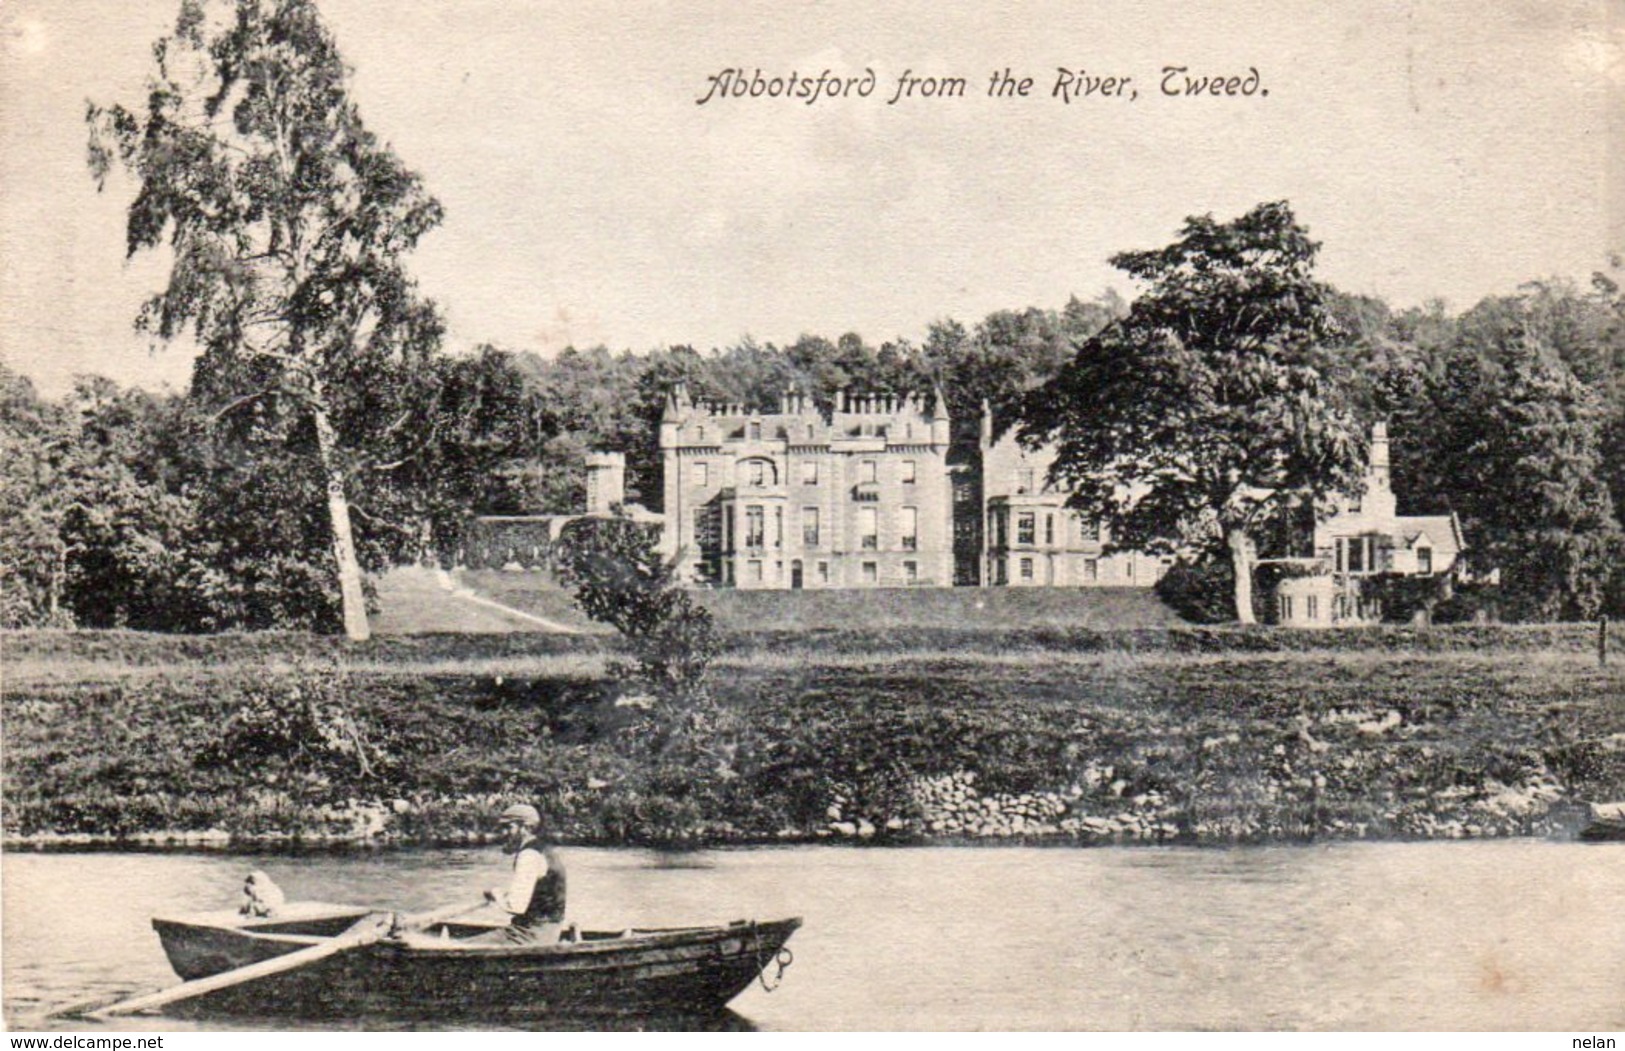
(1381, 477)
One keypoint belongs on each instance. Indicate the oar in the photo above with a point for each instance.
(420, 920)
(374, 926)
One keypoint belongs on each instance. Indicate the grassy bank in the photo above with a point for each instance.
(881, 609)
(1187, 735)
(26, 653)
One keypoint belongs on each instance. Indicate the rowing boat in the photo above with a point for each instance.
(448, 970)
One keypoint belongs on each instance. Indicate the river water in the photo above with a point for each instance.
(1436, 936)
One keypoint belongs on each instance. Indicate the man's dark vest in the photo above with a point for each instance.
(547, 897)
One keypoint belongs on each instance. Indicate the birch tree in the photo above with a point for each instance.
(286, 222)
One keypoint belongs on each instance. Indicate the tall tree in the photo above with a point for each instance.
(1518, 450)
(470, 451)
(288, 222)
(1207, 410)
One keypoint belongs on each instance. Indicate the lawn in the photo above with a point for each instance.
(848, 608)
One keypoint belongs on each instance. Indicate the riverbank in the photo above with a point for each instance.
(1182, 736)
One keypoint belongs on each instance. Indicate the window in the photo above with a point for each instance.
(823, 572)
(705, 534)
(1128, 569)
(755, 566)
(1091, 569)
(755, 527)
(871, 573)
(755, 432)
(1049, 530)
(1088, 531)
(728, 573)
(1026, 569)
(911, 572)
(1424, 560)
(758, 472)
(906, 471)
(809, 527)
(1024, 480)
(911, 528)
(868, 528)
(1286, 607)
(996, 526)
(1026, 529)
(809, 472)
(866, 471)
(702, 473)
(778, 527)
(1311, 607)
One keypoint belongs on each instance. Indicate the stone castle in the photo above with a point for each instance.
(794, 499)
(869, 496)
(873, 494)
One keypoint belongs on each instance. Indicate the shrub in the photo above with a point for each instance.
(301, 726)
(1470, 604)
(620, 579)
(1402, 597)
(1204, 592)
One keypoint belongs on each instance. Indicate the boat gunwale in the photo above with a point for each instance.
(587, 944)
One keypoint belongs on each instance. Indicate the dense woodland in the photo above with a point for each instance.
(155, 512)
(327, 431)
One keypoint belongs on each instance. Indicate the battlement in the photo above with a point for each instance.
(907, 419)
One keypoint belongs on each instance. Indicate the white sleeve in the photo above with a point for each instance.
(528, 867)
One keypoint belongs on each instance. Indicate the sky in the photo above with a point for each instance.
(1436, 148)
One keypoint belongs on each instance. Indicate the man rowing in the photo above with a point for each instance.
(534, 897)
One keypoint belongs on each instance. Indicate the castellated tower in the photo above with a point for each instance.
(799, 498)
(606, 482)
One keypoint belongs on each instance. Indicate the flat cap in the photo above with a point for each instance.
(523, 813)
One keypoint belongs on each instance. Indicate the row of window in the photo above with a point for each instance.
(756, 572)
(1343, 607)
(1311, 607)
(757, 523)
(766, 472)
(1026, 570)
(1027, 529)
(1360, 555)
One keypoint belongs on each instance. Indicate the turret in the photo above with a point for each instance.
(606, 481)
(679, 406)
(939, 416)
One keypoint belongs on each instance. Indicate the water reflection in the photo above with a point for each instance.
(664, 1022)
(1449, 936)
